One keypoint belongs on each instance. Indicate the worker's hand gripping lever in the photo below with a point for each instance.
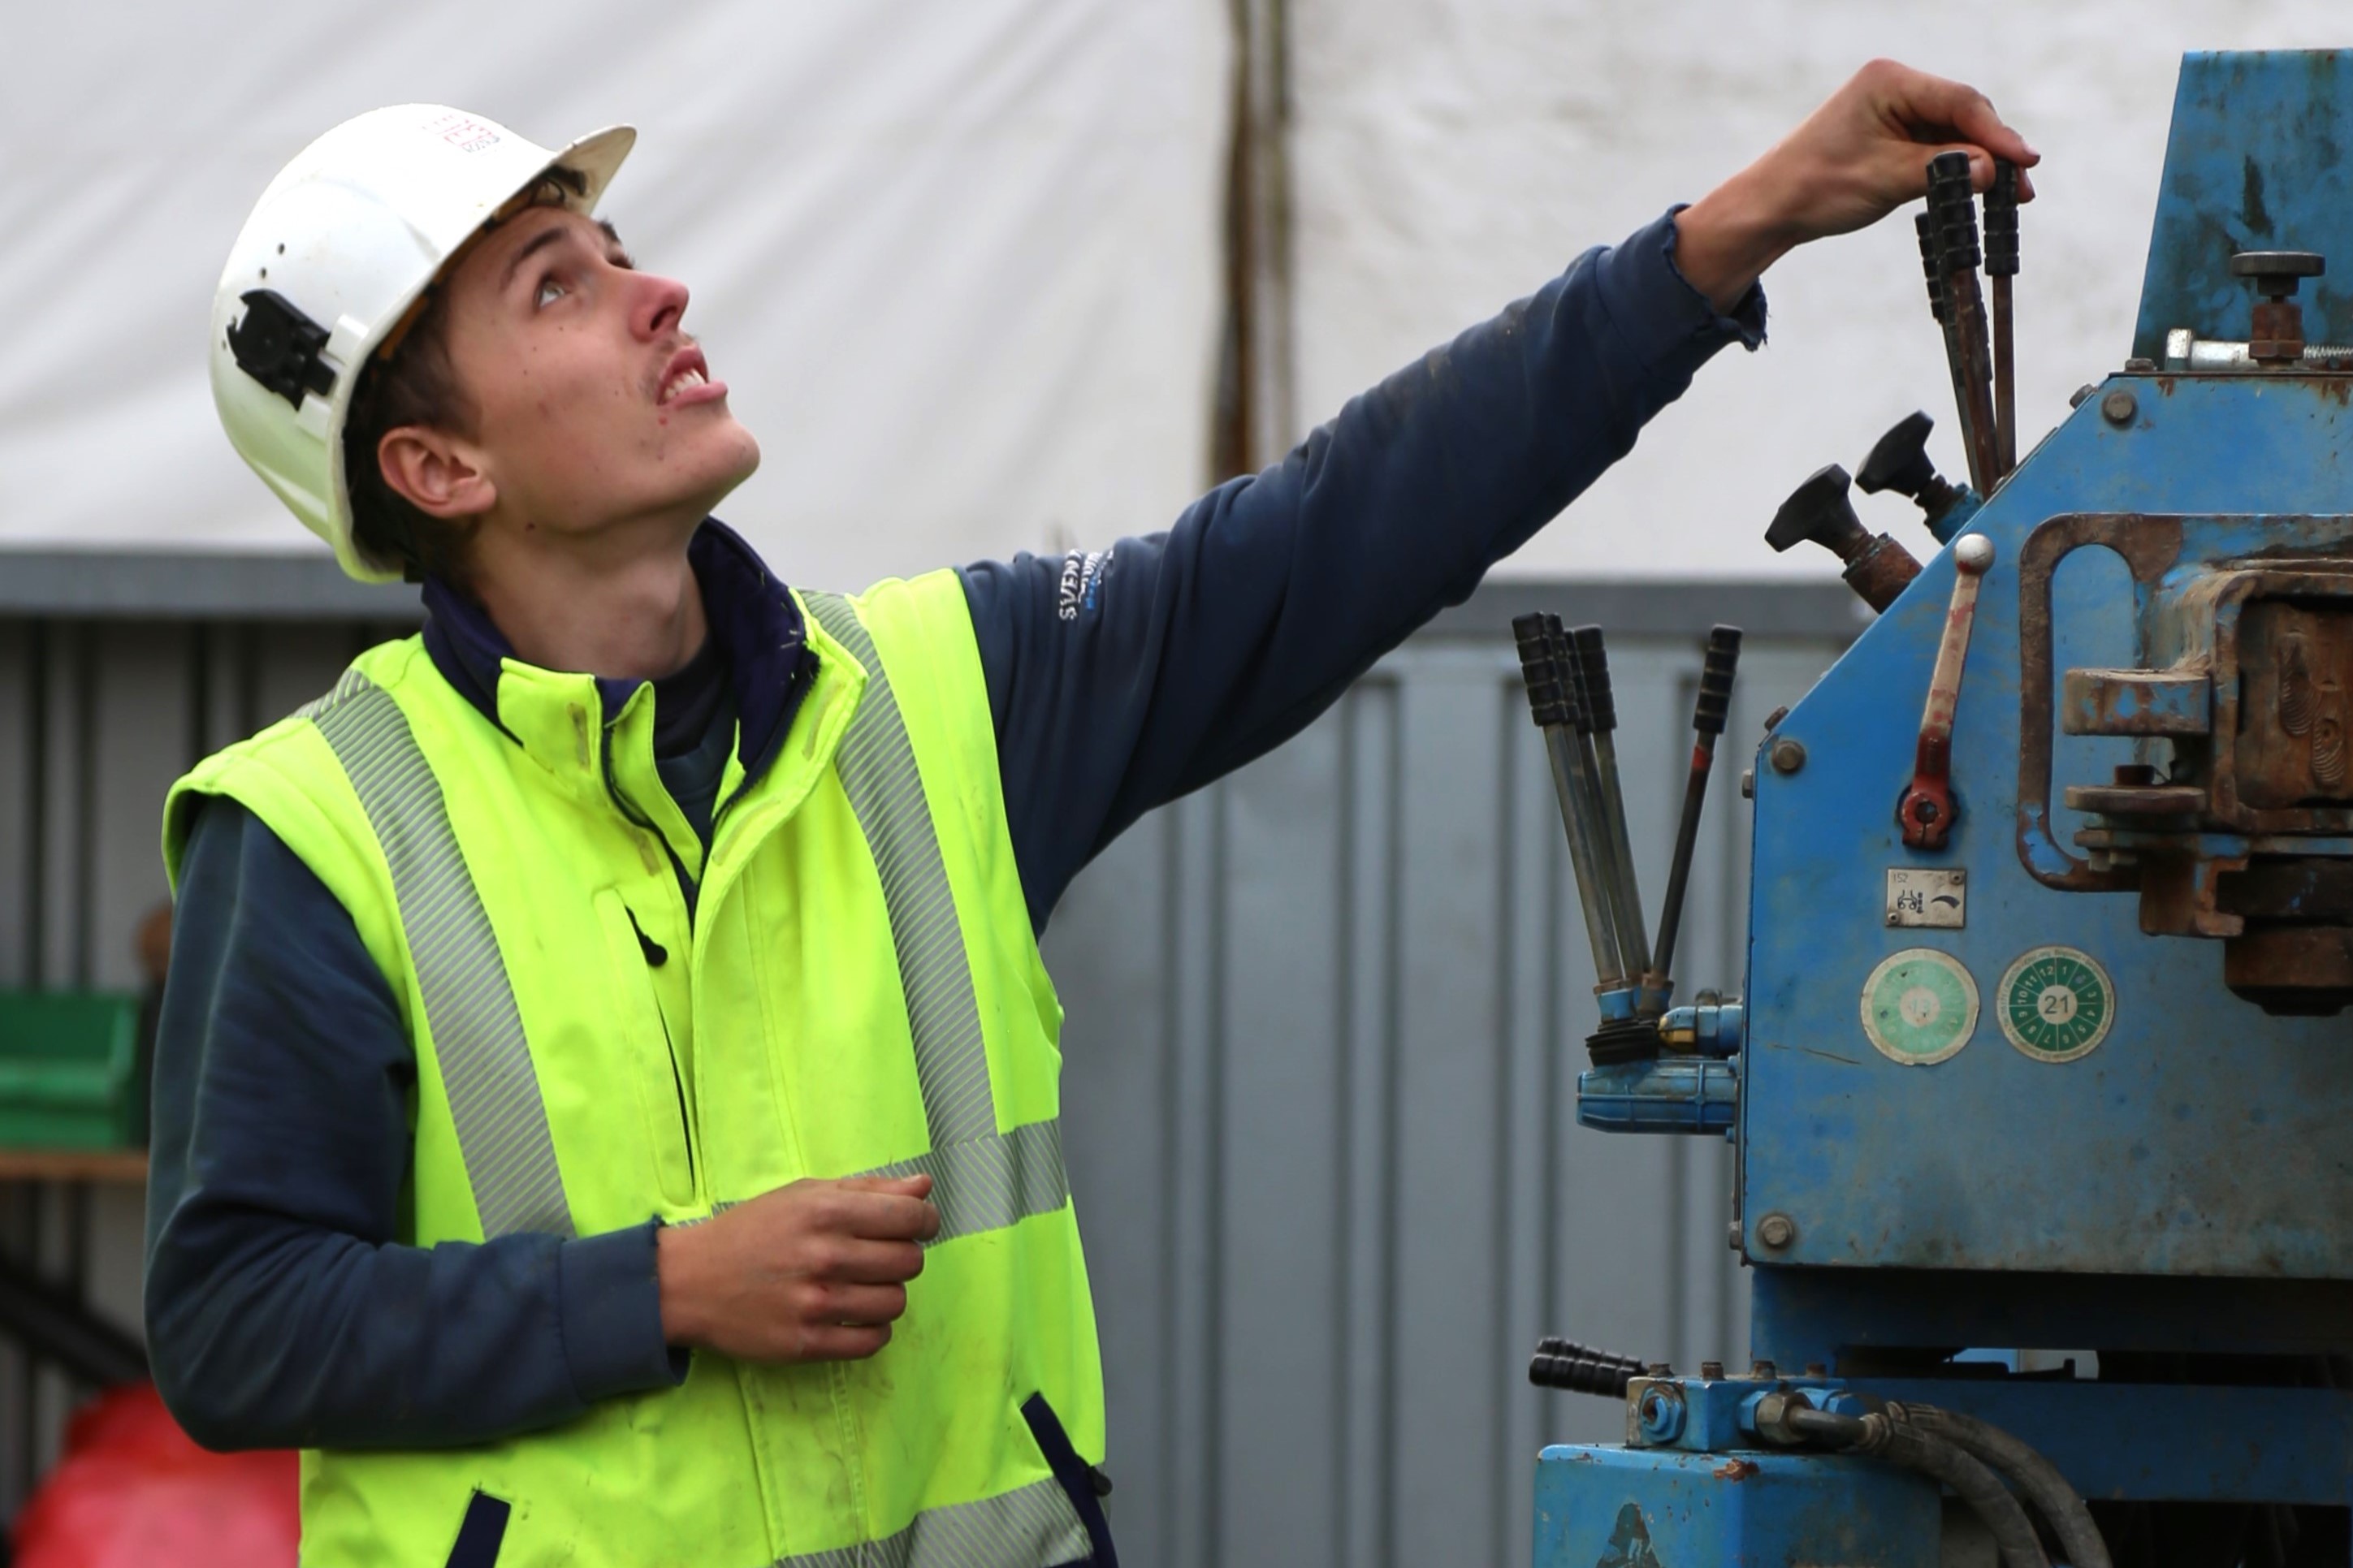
(1928, 811)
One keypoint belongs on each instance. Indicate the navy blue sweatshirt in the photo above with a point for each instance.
(283, 1309)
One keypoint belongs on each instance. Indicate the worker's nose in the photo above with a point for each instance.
(657, 305)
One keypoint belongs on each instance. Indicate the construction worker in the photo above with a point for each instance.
(606, 1098)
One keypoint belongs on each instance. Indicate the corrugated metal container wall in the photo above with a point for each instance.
(1320, 1063)
(1320, 1058)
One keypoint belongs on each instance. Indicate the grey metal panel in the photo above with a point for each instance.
(192, 584)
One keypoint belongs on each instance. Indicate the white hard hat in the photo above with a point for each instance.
(341, 245)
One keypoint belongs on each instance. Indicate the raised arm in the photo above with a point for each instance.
(1122, 678)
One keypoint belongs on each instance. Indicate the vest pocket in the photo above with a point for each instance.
(1078, 1481)
(644, 1041)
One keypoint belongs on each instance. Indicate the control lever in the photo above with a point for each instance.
(1588, 664)
(1716, 667)
(2278, 334)
(1900, 463)
(1817, 511)
(1549, 696)
(2001, 266)
(1932, 264)
(1926, 810)
(1581, 1369)
(1953, 214)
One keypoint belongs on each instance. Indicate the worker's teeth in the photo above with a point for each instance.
(685, 378)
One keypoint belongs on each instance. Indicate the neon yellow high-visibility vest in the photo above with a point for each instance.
(862, 992)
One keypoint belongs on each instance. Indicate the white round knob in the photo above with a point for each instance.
(1974, 554)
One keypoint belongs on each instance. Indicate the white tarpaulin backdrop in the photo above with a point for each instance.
(959, 261)
(1448, 155)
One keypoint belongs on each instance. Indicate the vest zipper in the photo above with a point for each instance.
(631, 814)
(656, 956)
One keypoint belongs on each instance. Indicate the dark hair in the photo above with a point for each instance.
(416, 385)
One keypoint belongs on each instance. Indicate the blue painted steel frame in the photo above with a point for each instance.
(2200, 1137)
(2256, 159)
(2185, 1189)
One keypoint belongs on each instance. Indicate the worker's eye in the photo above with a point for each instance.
(549, 291)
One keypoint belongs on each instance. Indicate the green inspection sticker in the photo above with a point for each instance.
(2057, 1004)
(1919, 1006)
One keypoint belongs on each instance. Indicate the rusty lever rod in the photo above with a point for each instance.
(1716, 667)
(1953, 214)
(1550, 697)
(2001, 266)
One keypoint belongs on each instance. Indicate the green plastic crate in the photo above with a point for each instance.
(69, 1073)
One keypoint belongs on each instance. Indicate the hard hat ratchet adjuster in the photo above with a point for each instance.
(280, 346)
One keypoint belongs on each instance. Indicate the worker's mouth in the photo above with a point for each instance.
(687, 380)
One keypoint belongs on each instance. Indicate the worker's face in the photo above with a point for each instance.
(594, 409)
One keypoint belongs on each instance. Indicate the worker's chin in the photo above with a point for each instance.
(719, 463)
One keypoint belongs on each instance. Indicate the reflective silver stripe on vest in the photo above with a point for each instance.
(986, 1184)
(1030, 1527)
(981, 1180)
(470, 1005)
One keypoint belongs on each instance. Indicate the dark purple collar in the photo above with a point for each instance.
(753, 620)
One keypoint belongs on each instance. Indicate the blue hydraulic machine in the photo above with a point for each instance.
(2041, 1080)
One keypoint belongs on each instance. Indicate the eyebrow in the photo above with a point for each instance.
(553, 234)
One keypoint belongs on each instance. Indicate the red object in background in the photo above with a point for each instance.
(133, 1491)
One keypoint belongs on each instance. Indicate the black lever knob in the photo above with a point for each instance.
(1900, 461)
(1928, 233)
(1953, 210)
(2276, 273)
(1877, 567)
(1547, 703)
(1593, 679)
(2002, 221)
(1819, 513)
(1581, 1369)
(1716, 667)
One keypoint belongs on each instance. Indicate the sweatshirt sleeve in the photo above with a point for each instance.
(1122, 678)
(282, 1309)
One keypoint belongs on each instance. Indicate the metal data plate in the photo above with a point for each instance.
(2112, 1107)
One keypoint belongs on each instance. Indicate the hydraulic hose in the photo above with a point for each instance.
(2033, 1474)
(1939, 1459)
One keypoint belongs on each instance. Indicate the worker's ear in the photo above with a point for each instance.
(439, 474)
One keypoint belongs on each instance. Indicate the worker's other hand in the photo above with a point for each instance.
(814, 1271)
(1857, 158)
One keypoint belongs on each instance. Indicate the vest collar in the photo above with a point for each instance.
(751, 617)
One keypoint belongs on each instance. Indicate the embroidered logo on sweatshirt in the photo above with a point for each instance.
(1082, 575)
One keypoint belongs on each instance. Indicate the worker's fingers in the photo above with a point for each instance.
(1980, 168)
(864, 1262)
(1935, 108)
(858, 1306)
(915, 1186)
(880, 1216)
(841, 1342)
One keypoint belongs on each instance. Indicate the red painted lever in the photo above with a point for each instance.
(1926, 812)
